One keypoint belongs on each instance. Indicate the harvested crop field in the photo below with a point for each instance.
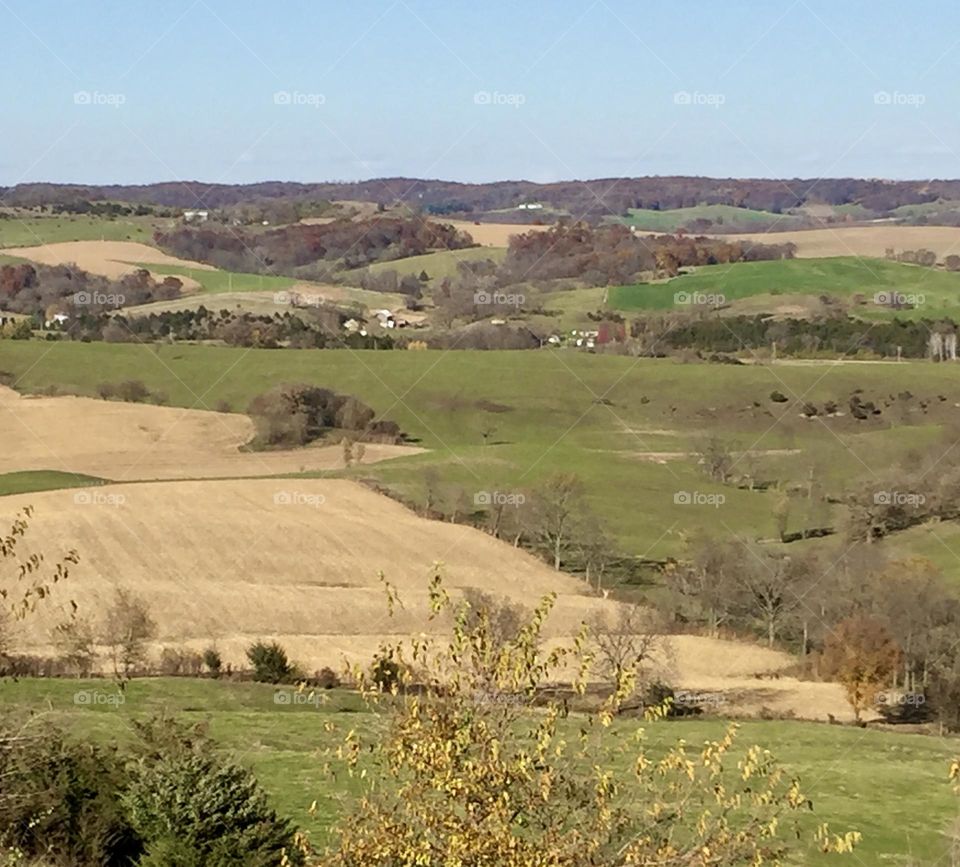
(129, 441)
(297, 558)
(494, 234)
(870, 241)
(298, 561)
(107, 258)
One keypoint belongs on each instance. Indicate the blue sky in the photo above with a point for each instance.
(238, 91)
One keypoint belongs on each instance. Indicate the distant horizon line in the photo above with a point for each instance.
(412, 178)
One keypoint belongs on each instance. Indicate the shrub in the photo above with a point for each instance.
(171, 852)
(661, 695)
(270, 663)
(294, 415)
(177, 661)
(464, 773)
(213, 661)
(61, 800)
(327, 678)
(20, 329)
(192, 810)
(385, 673)
(133, 391)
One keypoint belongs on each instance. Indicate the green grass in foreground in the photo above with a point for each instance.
(28, 481)
(837, 277)
(891, 787)
(32, 231)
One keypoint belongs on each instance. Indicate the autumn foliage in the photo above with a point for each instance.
(862, 656)
(472, 766)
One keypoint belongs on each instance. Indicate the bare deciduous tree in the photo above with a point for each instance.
(717, 458)
(598, 551)
(626, 642)
(504, 617)
(127, 627)
(76, 641)
(705, 589)
(556, 510)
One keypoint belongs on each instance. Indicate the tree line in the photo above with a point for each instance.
(312, 251)
(592, 198)
(48, 289)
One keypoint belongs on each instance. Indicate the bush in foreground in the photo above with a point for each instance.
(191, 809)
(171, 802)
(60, 800)
(465, 772)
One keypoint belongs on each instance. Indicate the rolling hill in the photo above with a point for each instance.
(936, 292)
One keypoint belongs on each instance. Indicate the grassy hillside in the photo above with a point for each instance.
(873, 789)
(30, 231)
(928, 210)
(437, 265)
(720, 215)
(840, 277)
(627, 426)
(216, 281)
(29, 481)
